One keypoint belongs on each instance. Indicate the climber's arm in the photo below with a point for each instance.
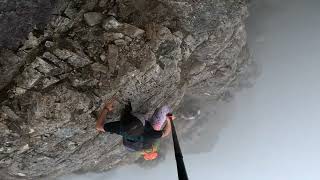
(100, 122)
(167, 128)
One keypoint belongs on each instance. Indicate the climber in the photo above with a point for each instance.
(137, 137)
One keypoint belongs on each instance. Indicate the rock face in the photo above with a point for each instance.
(151, 52)
(18, 18)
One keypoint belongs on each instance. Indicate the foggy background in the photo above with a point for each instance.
(273, 128)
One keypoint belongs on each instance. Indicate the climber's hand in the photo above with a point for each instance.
(109, 104)
(100, 129)
(171, 117)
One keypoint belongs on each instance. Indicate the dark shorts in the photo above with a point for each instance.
(113, 127)
(119, 128)
(128, 124)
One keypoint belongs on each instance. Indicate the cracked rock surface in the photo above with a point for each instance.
(73, 55)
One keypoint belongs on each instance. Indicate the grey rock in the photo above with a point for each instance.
(130, 30)
(128, 39)
(103, 57)
(110, 23)
(92, 18)
(207, 15)
(49, 44)
(18, 91)
(71, 11)
(9, 113)
(4, 128)
(61, 24)
(112, 36)
(90, 4)
(42, 66)
(120, 42)
(31, 75)
(179, 34)
(18, 18)
(63, 67)
(21, 174)
(28, 78)
(78, 81)
(24, 149)
(113, 12)
(51, 57)
(78, 61)
(72, 58)
(65, 133)
(193, 41)
(99, 68)
(72, 145)
(167, 49)
(63, 53)
(9, 66)
(103, 3)
(48, 81)
(31, 42)
(112, 57)
(197, 67)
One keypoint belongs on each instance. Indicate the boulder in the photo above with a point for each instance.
(120, 42)
(92, 18)
(110, 23)
(112, 36)
(72, 58)
(131, 31)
